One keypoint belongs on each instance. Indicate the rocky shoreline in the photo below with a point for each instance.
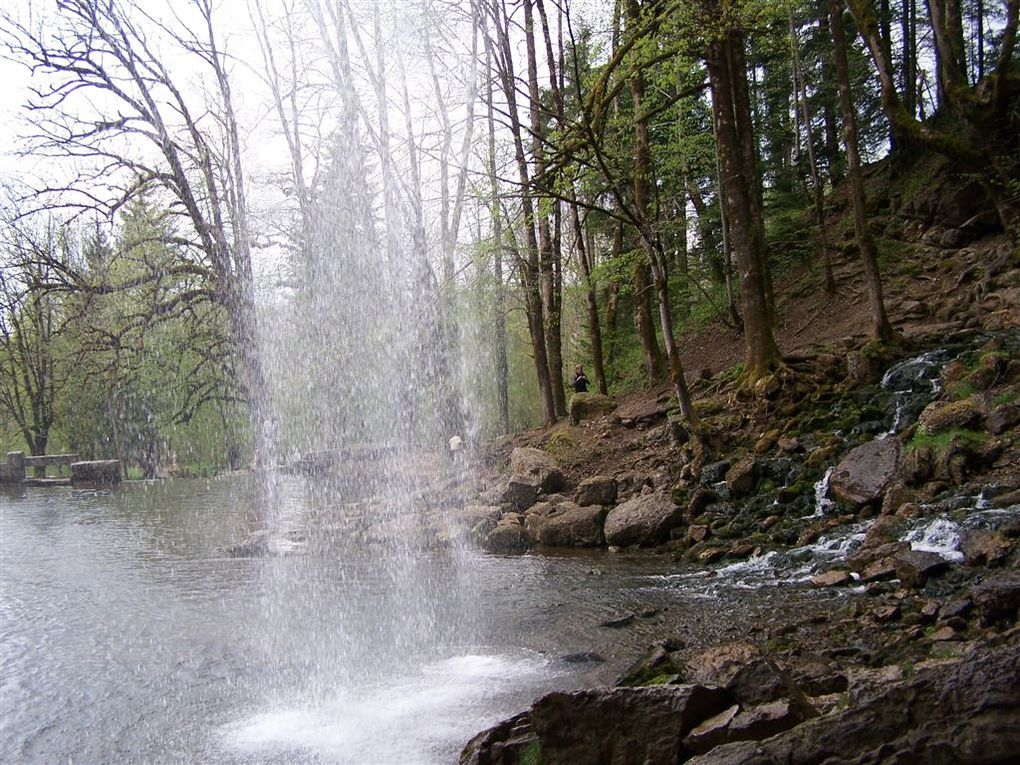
(920, 662)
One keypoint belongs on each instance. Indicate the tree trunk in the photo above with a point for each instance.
(594, 330)
(881, 328)
(740, 187)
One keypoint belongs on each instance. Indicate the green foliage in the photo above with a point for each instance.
(531, 754)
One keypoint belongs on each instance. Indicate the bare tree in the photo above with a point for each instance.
(109, 100)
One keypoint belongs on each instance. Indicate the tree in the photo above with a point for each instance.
(110, 100)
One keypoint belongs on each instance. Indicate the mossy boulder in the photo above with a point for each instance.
(587, 406)
(940, 416)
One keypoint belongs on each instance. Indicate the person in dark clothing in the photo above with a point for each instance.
(580, 380)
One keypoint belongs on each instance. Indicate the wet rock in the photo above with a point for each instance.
(588, 406)
(940, 416)
(643, 520)
(502, 744)
(254, 546)
(697, 533)
(833, 578)
(567, 525)
(821, 455)
(915, 567)
(864, 473)
(961, 712)
(508, 536)
(537, 465)
(895, 496)
(583, 657)
(621, 725)
(655, 668)
(981, 547)
(597, 490)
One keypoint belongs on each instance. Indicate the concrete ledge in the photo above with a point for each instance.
(100, 472)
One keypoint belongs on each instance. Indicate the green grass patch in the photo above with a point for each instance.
(941, 441)
(1006, 397)
(531, 754)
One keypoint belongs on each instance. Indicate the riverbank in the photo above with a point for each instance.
(907, 454)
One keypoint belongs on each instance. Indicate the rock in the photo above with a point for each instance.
(895, 496)
(588, 406)
(864, 473)
(997, 601)
(642, 412)
(714, 472)
(254, 546)
(644, 520)
(536, 464)
(789, 445)
(521, 492)
(750, 724)
(889, 613)
(700, 499)
(943, 635)
(740, 668)
(917, 466)
(981, 546)
(1002, 419)
(567, 525)
(879, 570)
(958, 607)
(508, 536)
(742, 476)
(658, 665)
(629, 484)
(99, 472)
(940, 416)
(697, 533)
(598, 490)
(961, 712)
(834, 578)
(502, 744)
(915, 567)
(621, 725)
(472, 515)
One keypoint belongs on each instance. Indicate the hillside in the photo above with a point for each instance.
(823, 449)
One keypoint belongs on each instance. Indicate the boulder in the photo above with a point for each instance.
(597, 490)
(630, 483)
(864, 473)
(1002, 419)
(621, 725)
(981, 546)
(997, 601)
(521, 492)
(588, 406)
(940, 416)
(643, 520)
(833, 578)
(99, 472)
(741, 477)
(508, 536)
(502, 744)
(915, 567)
(750, 724)
(740, 668)
(642, 412)
(537, 465)
(566, 525)
(962, 712)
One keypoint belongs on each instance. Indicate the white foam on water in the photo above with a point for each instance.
(940, 536)
(422, 719)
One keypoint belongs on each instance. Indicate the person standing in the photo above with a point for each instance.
(580, 380)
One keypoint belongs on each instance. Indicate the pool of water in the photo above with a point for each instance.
(127, 635)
